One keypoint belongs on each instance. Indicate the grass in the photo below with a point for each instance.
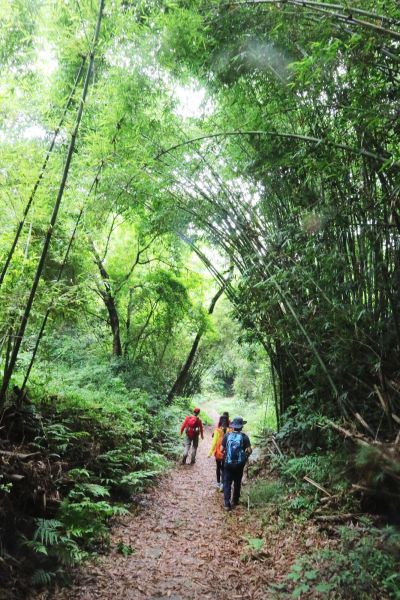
(264, 492)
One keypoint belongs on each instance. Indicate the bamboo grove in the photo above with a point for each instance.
(291, 174)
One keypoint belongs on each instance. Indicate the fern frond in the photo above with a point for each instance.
(47, 532)
(42, 577)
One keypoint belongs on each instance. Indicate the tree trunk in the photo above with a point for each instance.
(128, 321)
(108, 298)
(183, 375)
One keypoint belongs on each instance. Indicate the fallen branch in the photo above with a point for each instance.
(348, 434)
(317, 485)
(19, 455)
(14, 476)
(396, 418)
(336, 518)
(328, 500)
(277, 447)
(364, 423)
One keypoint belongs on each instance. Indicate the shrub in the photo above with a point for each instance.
(327, 469)
(364, 566)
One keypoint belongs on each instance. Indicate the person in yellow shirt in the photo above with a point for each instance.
(216, 448)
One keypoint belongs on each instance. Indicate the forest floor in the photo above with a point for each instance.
(185, 547)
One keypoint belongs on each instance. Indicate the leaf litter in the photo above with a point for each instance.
(185, 547)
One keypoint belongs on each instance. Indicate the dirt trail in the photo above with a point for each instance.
(185, 546)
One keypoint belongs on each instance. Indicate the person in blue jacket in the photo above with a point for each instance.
(237, 448)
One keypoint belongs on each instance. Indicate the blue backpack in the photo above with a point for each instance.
(235, 454)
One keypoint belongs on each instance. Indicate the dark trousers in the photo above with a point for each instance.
(220, 470)
(232, 474)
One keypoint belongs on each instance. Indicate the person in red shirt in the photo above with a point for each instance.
(193, 427)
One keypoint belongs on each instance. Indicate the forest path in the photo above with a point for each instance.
(185, 546)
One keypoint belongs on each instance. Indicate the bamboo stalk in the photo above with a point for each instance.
(290, 136)
(53, 220)
(41, 174)
(328, 8)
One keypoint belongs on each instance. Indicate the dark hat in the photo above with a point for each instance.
(238, 423)
(196, 410)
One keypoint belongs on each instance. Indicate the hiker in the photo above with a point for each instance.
(194, 427)
(216, 448)
(237, 448)
(225, 415)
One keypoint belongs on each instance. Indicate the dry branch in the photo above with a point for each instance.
(317, 485)
(357, 438)
(336, 518)
(277, 447)
(19, 455)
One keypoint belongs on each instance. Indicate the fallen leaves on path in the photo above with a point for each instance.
(185, 547)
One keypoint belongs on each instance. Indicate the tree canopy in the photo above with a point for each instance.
(164, 158)
(287, 166)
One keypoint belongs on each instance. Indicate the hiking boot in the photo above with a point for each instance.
(221, 487)
(192, 461)
(228, 507)
(184, 460)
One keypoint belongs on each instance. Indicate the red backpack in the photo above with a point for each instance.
(192, 427)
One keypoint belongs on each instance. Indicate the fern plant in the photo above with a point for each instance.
(47, 532)
(135, 481)
(53, 546)
(88, 490)
(59, 437)
(85, 516)
(42, 577)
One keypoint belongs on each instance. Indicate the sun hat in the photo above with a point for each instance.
(238, 422)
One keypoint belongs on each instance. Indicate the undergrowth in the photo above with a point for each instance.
(90, 451)
(364, 565)
(360, 560)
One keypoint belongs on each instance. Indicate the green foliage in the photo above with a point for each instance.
(239, 366)
(106, 441)
(125, 549)
(85, 518)
(375, 469)
(41, 577)
(47, 531)
(301, 426)
(59, 437)
(5, 488)
(83, 490)
(328, 469)
(365, 565)
(136, 480)
(296, 187)
(55, 549)
(253, 550)
(256, 544)
(263, 493)
(258, 415)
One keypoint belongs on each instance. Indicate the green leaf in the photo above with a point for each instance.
(299, 590)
